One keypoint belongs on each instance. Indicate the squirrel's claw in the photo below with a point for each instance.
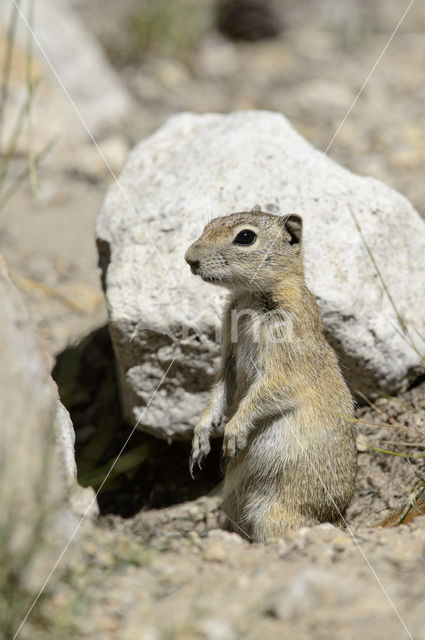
(195, 460)
(192, 460)
(200, 449)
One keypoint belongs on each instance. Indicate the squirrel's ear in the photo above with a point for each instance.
(293, 225)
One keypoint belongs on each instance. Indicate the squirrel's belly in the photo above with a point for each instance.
(246, 357)
(274, 484)
(253, 481)
(269, 451)
(274, 453)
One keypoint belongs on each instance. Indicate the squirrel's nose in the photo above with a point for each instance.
(194, 264)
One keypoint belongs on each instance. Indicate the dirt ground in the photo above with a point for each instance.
(156, 563)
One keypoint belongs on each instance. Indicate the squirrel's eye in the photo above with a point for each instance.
(246, 236)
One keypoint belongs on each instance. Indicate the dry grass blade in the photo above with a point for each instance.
(396, 453)
(370, 423)
(416, 503)
(39, 287)
(414, 508)
(419, 334)
(385, 414)
(7, 63)
(406, 333)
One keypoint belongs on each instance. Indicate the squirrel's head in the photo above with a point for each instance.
(250, 250)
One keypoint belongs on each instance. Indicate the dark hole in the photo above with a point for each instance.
(417, 382)
(151, 472)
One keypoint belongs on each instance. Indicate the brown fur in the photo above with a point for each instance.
(288, 432)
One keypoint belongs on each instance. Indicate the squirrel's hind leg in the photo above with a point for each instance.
(261, 521)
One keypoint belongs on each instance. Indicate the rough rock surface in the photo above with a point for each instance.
(37, 461)
(320, 582)
(164, 321)
(82, 500)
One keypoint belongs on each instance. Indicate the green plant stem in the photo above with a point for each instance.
(7, 64)
(394, 453)
(31, 86)
(124, 463)
(421, 445)
(16, 132)
(13, 187)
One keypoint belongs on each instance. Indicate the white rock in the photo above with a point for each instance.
(82, 500)
(198, 166)
(310, 590)
(37, 464)
(66, 437)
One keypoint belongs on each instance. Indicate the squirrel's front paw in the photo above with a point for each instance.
(200, 449)
(233, 443)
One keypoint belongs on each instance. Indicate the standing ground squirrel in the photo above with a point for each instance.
(289, 437)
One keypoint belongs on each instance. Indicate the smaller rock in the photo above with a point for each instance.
(362, 444)
(217, 58)
(82, 500)
(309, 590)
(342, 542)
(96, 163)
(215, 552)
(283, 548)
(216, 629)
(249, 20)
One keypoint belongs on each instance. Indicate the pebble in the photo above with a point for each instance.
(215, 552)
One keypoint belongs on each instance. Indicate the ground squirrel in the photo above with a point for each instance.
(289, 437)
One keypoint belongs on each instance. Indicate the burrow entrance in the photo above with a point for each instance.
(150, 473)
